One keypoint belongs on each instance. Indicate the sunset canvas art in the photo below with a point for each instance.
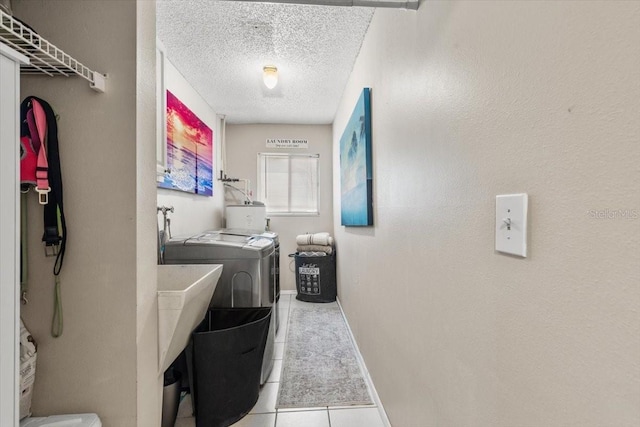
(189, 150)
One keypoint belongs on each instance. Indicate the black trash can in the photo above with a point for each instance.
(228, 347)
(316, 277)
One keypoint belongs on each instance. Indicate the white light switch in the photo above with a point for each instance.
(511, 224)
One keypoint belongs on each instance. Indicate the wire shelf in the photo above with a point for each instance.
(44, 57)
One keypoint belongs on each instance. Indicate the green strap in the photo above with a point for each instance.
(56, 322)
(23, 248)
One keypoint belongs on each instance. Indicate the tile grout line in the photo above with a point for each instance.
(284, 348)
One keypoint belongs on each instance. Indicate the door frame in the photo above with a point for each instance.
(10, 61)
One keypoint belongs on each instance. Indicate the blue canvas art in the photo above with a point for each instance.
(356, 184)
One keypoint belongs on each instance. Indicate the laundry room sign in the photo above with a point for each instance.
(287, 143)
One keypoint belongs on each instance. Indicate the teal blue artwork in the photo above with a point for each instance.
(356, 183)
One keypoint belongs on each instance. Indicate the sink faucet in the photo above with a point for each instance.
(166, 226)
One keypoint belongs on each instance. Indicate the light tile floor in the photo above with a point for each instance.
(265, 414)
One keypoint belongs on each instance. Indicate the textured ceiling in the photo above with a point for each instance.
(220, 47)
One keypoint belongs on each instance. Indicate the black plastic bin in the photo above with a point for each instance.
(228, 347)
(316, 277)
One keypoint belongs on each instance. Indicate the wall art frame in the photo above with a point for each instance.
(189, 150)
(356, 166)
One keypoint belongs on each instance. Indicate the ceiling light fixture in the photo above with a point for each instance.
(270, 76)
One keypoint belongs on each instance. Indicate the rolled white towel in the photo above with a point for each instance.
(315, 248)
(323, 239)
(313, 254)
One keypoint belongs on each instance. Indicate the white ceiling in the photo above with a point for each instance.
(220, 47)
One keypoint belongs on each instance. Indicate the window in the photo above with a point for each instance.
(288, 184)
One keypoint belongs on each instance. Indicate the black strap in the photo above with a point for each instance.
(52, 235)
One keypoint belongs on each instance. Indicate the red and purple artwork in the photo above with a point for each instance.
(189, 150)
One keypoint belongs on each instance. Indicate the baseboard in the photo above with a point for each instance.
(363, 366)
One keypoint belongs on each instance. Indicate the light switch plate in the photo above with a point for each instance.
(511, 224)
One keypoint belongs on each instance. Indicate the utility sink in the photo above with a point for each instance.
(184, 294)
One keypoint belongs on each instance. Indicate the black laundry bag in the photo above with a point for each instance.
(228, 347)
(316, 277)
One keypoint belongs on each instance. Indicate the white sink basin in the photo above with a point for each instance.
(184, 294)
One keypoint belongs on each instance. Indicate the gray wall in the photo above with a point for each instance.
(244, 142)
(106, 360)
(471, 100)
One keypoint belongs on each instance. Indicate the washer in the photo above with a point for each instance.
(246, 280)
(276, 265)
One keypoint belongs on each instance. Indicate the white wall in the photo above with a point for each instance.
(193, 213)
(244, 142)
(471, 100)
(104, 361)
